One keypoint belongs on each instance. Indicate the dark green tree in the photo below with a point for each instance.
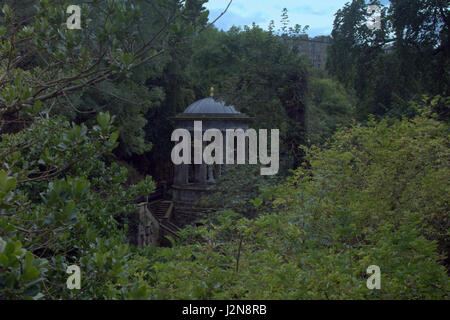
(261, 74)
(61, 192)
(408, 56)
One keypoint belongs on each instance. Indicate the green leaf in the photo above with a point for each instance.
(7, 183)
(257, 202)
(103, 119)
(114, 136)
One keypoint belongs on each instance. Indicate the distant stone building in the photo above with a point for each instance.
(316, 49)
(194, 181)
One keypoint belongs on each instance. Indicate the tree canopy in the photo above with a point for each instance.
(85, 134)
(407, 57)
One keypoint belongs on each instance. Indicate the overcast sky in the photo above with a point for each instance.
(318, 14)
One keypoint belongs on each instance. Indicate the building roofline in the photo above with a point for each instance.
(211, 116)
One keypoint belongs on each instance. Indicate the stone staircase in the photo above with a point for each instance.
(162, 210)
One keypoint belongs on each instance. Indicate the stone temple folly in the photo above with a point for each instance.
(192, 182)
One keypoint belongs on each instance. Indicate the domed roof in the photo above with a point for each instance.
(209, 105)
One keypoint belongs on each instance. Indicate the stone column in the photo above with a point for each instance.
(219, 170)
(181, 174)
(200, 173)
(224, 165)
(185, 170)
(210, 175)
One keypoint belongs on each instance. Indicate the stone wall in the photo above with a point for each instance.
(144, 228)
(316, 49)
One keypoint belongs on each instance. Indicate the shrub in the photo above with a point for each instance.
(374, 195)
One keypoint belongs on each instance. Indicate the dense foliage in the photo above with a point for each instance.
(61, 187)
(330, 106)
(407, 57)
(259, 73)
(375, 194)
(84, 117)
(58, 204)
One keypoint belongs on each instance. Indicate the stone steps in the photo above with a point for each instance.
(162, 211)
